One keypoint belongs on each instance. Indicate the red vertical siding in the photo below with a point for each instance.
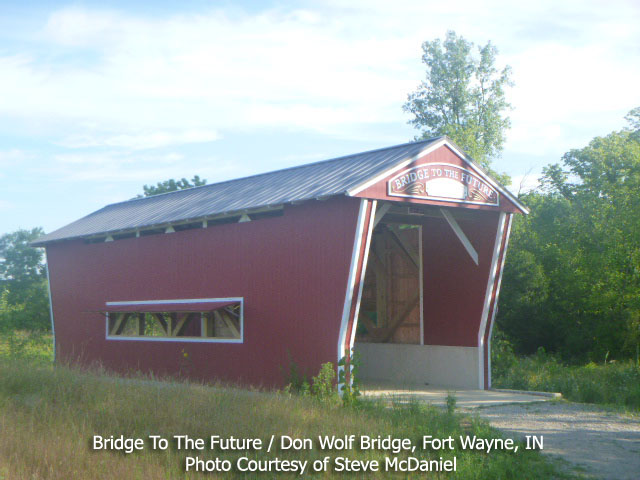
(454, 287)
(291, 270)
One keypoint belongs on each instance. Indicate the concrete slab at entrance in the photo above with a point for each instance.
(437, 395)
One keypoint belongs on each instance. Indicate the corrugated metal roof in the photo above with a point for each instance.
(320, 179)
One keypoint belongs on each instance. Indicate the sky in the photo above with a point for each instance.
(98, 99)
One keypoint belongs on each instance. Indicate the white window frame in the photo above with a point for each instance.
(186, 301)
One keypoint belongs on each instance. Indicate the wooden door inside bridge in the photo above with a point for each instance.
(390, 309)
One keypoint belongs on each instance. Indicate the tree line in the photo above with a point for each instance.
(572, 277)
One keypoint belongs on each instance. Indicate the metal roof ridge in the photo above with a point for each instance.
(190, 189)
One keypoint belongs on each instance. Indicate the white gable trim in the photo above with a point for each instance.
(356, 190)
(502, 190)
(444, 142)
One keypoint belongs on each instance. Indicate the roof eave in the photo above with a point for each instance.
(43, 243)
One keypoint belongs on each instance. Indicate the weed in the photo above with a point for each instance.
(348, 378)
(323, 385)
(451, 402)
(295, 380)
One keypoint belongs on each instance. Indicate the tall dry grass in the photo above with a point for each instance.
(48, 416)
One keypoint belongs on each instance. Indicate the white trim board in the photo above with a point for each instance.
(460, 234)
(53, 323)
(495, 300)
(381, 213)
(421, 283)
(179, 300)
(342, 337)
(487, 300)
(174, 339)
(363, 272)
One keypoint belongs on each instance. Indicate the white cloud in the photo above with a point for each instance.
(333, 68)
(140, 141)
(134, 166)
(12, 156)
(564, 90)
(75, 27)
(212, 71)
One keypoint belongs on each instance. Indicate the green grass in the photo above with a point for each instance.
(36, 347)
(615, 383)
(49, 414)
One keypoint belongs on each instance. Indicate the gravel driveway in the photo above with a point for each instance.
(602, 443)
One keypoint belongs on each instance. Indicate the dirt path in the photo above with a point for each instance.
(603, 444)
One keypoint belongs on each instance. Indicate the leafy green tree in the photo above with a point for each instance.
(602, 181)
(572, 279)
(532, 310)
(463, 97)
(172, 185)
(633, 117)
(23, 282)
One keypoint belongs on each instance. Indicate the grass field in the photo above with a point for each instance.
(48, 416)
(613, 383)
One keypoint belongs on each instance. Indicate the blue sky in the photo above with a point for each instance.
(99, 98)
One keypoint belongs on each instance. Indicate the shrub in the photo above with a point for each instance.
(323, 385)
(614, 383)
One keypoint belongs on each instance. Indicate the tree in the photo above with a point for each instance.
(633, 117)
(581, 247)
(23, 282)
(463, 97)
(172, 185)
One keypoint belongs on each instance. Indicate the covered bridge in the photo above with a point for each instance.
(396, 252)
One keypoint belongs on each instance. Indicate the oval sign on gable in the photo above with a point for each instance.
(442, 181)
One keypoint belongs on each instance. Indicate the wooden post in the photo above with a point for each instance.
(141, 324)
(163, 323)
(381, 284)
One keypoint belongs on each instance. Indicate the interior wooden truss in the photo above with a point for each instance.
(225, 322)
